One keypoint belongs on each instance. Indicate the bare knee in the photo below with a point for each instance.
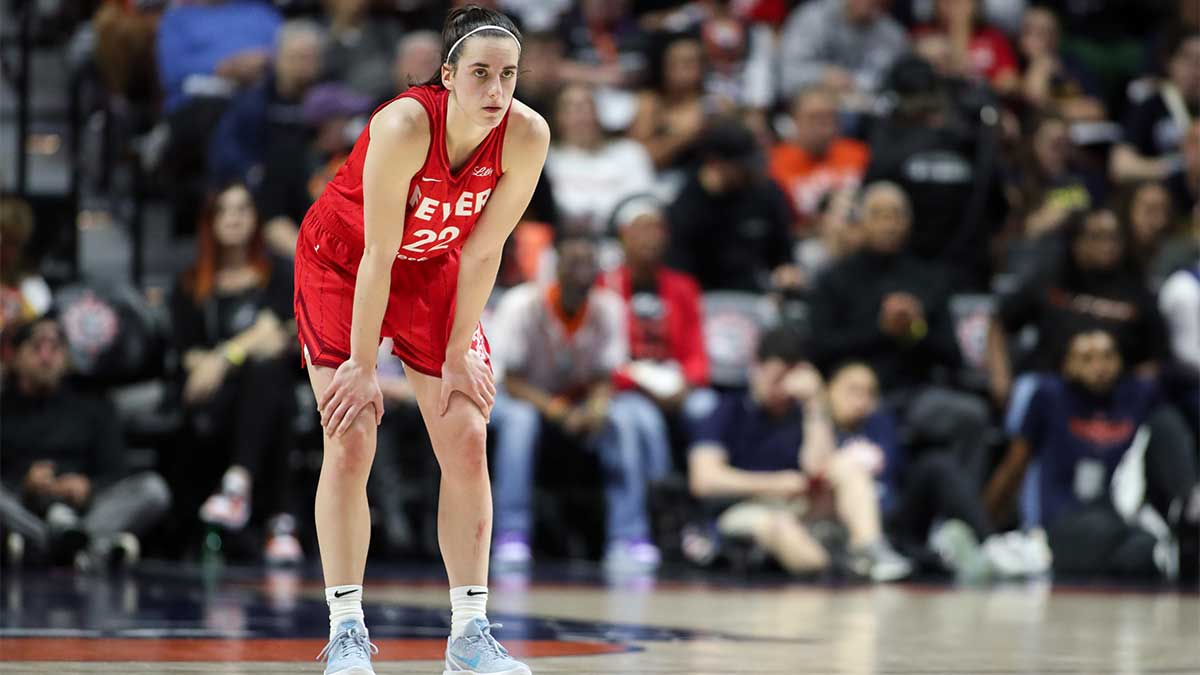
(352, 452)
(462, 450)
(844, 469)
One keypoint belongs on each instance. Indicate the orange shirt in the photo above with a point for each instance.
(807, 179)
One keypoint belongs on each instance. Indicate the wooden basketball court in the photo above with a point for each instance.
(248, 621)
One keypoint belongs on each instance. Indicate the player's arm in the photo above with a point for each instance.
(399, 143)
(525, 147)
(998, 495)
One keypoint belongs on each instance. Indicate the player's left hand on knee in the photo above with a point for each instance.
(470, 375)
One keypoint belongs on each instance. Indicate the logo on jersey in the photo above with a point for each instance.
(482, 171)
(467, 204)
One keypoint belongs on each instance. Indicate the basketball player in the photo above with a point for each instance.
(405, 243)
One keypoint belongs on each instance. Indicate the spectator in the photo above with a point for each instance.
(124, 49)
(266, 124)
(1093, 282)
(741, 58)
(1184, 183)
(1179, 302)
(590, 173)
(1145, 209)
(765, 463)
(837, 235)
(730, 225)
(936, 147)
(843, 45)
(1051, 79)
(1082, 426)
(360, 49)
(557, 350)
(1155, 128)
(817, 161)
(231, 314)
(668, 361)
(540, 82)
(418, 58)
(671, 116)
(294, 176)
(884, 308)
(977, 50)
(211, 47)
(1044, 192)
(604, 45)
(24, 295)
(67, 492)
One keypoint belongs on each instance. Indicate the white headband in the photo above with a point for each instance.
(472, 32)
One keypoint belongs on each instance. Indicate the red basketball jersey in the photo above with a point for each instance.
(443, 205)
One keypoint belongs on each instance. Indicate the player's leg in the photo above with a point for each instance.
(459, 440)
(344, 533)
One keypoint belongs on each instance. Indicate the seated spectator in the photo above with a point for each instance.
(977, 50)
(265, 126)
(1184, 183)
(843, 45)
(605, 47)
(885, 308)
(837, 235)
(1046, 189)
(294, 179)
(765, 463)
(418, 58)
(1179, 302)
(360, 49)
(540, 81)
(730, 224)
(1146, 210)
(24, 295)
(211, 47)
(816, 161)
(67, 494)
(232, 315)
(557, 348)
(1083, 427)
(741, 59)
(915, 494)
(591, 174)
(124, 49)
(1155, 128)
(934, 146)
(668, 362)
(1093, 281)
(671, 115)
(1051, 79)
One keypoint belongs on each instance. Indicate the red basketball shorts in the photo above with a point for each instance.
(420, 308)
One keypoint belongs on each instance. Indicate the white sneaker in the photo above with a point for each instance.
(956, 545)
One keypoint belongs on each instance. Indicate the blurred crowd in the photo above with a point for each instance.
(865, 287)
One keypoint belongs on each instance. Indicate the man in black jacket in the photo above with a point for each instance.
(64, 460)
(888, 309)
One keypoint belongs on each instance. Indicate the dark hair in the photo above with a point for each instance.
(656, 77)
(571, 236)
(784, 343)
(1175, 41)
(1123, 204)
(1073, 229)
(463, 20)
(1062, 348)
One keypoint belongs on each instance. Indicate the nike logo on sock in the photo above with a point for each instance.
(472, 594)
(338, 594)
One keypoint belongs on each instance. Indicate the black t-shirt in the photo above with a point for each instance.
(223, 316)
(648, 312)
(79, 432)
(753, 440)
(1150, 128)
(1119, 303)
(731, 241)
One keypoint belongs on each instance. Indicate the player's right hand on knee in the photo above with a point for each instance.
(353, 388)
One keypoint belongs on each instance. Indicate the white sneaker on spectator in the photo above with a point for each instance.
(956, 544)
(878, 561)
(1036, 551)
(1006, 554)
(283, 548)
(637, 554)
(229, 508)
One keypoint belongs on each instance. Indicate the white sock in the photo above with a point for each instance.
(467, 603)
(345, 602)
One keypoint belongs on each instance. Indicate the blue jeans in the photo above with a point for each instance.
(632, 448)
